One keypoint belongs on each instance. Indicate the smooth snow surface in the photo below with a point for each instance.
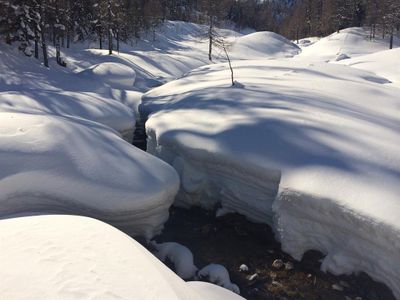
(320, 140)
(114, 74)
(71, 257)
(28, 87)
(351, 42)
(263, 45)
(63, 165)
(180, 256)
(383, 63)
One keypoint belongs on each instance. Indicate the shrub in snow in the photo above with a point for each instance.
(116, 75)
(69, 257)
(219, 275)
(180, 256)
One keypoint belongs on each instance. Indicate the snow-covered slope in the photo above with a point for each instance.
(263, 45)
(352, 42)
(68, 165)
(383, 63)
(318, 140)
(70, 257)
(26, 86)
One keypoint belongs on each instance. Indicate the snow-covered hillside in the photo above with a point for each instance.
(69, 257)
(307, 141)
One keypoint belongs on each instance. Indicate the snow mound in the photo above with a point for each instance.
(298, 141)
(86, 105)
(87, 259)
(352, 41)
(115, 74)
(62, 165)
(383, 63)
(219, 275)
(263, 45)
(180, 256)
(27, 87)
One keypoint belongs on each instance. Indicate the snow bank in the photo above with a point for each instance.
(27, 87)
(64, 165)
(317, 141)
(116, 75)
(383, 63)
(352, 42)
(88, 260)
(263, 45)
(86, 105)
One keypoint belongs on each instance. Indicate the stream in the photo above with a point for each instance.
(232, 240)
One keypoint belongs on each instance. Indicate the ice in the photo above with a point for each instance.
(53, 164)
(71, 257)
(180, 256)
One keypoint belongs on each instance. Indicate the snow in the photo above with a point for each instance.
(114, 74)
(219, 275)
(180, 256)
(352, 42)
(52, 164)
(309, 148)
(383, 63)
(29, 88)
(87, 259)
(263, 45)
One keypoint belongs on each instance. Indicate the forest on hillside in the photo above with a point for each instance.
(33, 22)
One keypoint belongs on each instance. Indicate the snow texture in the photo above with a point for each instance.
(87, 259)
(53, 164)
(180, 256)
(114, 74)
(263, 45)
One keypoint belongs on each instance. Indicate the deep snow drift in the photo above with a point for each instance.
(27, 87)
(70, 257)
(383, 63)
(352, 42)
(263, 45)
(53, 164)
(320, 140)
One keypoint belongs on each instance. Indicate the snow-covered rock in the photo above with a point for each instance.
(53, 164)
(115, 74)
(180, 256)
(69, 257)
(263, 45)
(310, 148)
(218, 275)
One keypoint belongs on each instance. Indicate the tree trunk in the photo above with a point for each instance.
(118, 41)
(210, 36)
(43, 34)
(110, 36)
(68, 36)
(100, 38)
(36, 44)
(391, 40)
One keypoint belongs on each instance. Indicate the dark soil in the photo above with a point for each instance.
(232, 240)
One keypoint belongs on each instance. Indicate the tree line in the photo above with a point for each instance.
(322, 17)
(35, 23)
